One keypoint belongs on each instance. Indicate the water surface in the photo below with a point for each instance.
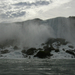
(37, 67)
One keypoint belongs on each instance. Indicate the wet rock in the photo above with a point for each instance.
(56, 50)
(15, 48)
(60, 40)
(70, 46)
(4, 51)
(63, 49)
(31, 51)
(52, 48)
(23, 51)
(43, 54)
(70, 52)
(42, 44)
(48, 50)
(24, 55)
(45, 47)
(39, 49)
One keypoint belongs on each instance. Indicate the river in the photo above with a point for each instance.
(37, 67)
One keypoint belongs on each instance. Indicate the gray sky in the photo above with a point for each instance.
(21, 10)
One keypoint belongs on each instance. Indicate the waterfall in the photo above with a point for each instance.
(37, 31)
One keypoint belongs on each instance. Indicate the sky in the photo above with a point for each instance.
(21, 10)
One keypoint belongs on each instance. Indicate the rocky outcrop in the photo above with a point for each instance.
(56, 50)
(70, 52)
(4, 51)
(15, 48)
(43, 54)
(30, 51)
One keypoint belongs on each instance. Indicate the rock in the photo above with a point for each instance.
(39, 49)
(63, 49)
(4, 51)
(70, 52)
(24, 55)
(56, 50)
(23, 51)
(15, 48)
(70, 46)
(42, 44)
(60, 40)
(52, 48)
(31, 51)
(43, 54)
(48, 50)
(45, 47)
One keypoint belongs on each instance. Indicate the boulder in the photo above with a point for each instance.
(56, 50)
(15, 48)
(70, 46)
(43, 54)
(48, 50)
(4, 51)
(70, 52)
(23, 51)
(42, 44)
(31, 51)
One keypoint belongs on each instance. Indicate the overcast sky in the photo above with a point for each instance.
(21, 10)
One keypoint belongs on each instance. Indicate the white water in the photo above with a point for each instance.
(63, 28)
(32, 33)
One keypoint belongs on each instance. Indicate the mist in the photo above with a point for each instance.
(34, 32)
(25, 35)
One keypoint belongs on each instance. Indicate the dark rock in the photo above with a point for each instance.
(24, 55)
(48, 50)
(70, 46)
(56, 50)
(52, 48)
(39, 49)
(15, 48)
(45, 47)
(70, 52)
(60, 40)
(4, 51)
(42, 44)
(23, 51)
(31, 51)
(63, 49)
(43, 54)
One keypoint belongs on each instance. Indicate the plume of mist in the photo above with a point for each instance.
(25, 35)
(34, 33)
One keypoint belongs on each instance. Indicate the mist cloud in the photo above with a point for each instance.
(26, 35)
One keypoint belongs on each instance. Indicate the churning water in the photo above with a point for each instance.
(37, 67)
